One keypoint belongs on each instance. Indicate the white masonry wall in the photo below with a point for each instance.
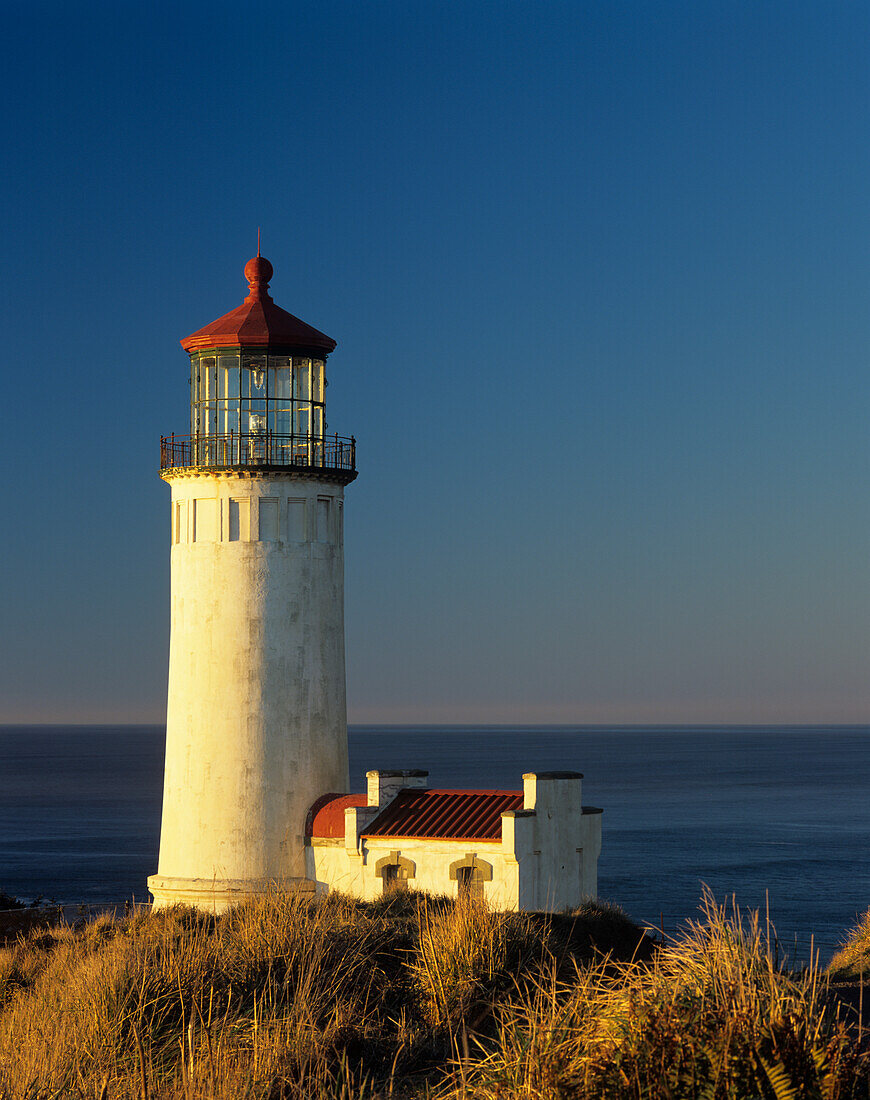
(558, 844)
(256, 719)
(546, 859)
(430, 860)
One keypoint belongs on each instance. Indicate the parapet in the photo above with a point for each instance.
(548, 790)
(383, 786)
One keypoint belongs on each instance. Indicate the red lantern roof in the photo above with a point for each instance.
(259, 323)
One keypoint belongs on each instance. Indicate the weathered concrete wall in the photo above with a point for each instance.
(334, 868)
(256, 718)
(558, 846)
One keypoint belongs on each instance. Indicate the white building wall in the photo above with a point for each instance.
(547, 857)
(334, 868)
(256, 718)
(561, 843)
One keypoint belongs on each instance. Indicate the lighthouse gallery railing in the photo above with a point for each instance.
(261, 449)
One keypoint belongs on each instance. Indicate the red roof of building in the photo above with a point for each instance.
(259, 323)
(326, 816)
(445, 815)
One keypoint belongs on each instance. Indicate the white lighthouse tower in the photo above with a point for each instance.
(256, 725)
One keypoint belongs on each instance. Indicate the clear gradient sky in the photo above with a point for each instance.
(598, 273)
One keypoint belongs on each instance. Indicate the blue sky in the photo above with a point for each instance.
(599, 279)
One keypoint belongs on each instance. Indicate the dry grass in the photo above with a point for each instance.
(467, 956)
(853, 958)
(711, 1017)
(409, 997)
(279, 997)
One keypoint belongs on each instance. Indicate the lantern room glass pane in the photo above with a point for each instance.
(316, 379)
(206, 379)
(254, 377)
(281, 370)
(206, 409)
(281, 394)
(301, 379)
(228, 378)
(228, 417)
(303, 419)
(205, 414)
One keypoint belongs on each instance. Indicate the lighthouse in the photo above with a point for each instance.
(256, 725)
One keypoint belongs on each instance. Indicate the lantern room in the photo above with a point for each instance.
(257, 390)
(251, 393)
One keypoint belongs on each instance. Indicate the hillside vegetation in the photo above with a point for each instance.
(853, 958)
(411, 997)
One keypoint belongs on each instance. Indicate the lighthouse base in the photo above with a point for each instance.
(217, 895)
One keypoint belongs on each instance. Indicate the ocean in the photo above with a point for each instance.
(777, 817)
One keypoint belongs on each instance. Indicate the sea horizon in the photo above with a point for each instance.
(365, 727)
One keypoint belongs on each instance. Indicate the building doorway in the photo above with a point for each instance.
(394, 878)
(469, 883)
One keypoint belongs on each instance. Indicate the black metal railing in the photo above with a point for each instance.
(318, 452)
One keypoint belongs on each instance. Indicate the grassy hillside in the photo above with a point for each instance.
(411, 997)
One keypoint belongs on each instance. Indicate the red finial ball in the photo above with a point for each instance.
(258, 271)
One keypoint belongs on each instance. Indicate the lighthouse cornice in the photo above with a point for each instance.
(261, 473)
